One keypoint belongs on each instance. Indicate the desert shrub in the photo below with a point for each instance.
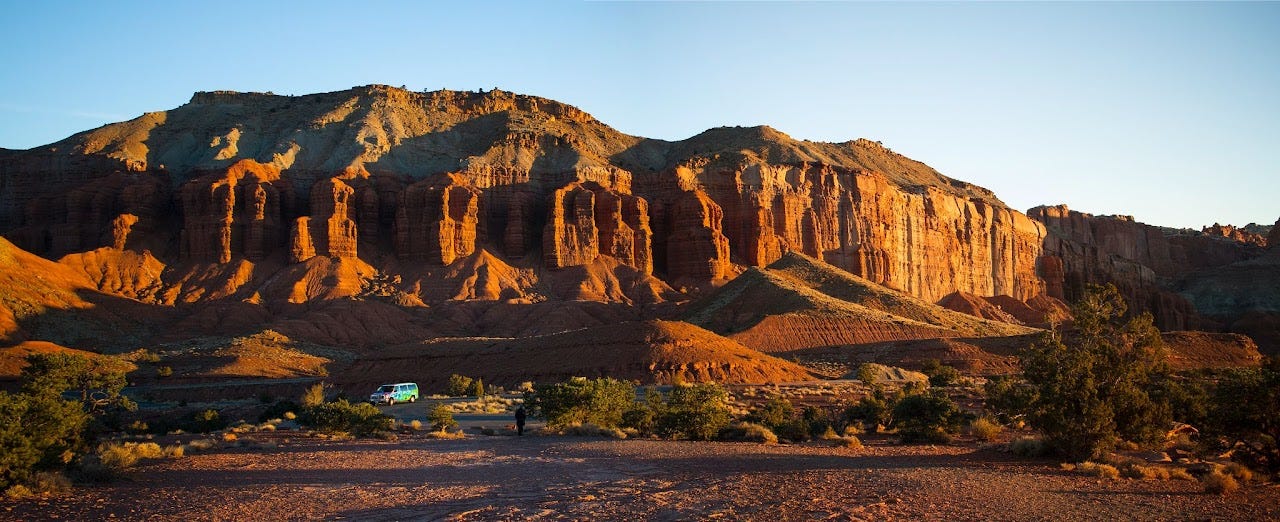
(175, 451)
(1008, 398)
(849, 442)
(1219, 483)
(816, 420)
(340, 416)
(871, 411)
(1238, 471)
(1144, 472)
(1029, 447)
(164, 371)
(747, 432)
(199, 445)
(588, 429)
(940, 374)
(642, 417)
(926, 417)
(794, 430)
(1180, 474)
(579, 400)
(772, 413)
(37, 433)
(120, 456)
(204, 421)
(867, 374)
(458, 385)
(477, 388)
(985, 429)
(1109, 380)
(415, 425)
(1244, 415)
(95, 384)
(441, 418)
(696, 412)
(1098, 469)
(314, 396)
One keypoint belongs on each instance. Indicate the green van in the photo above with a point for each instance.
(393, 393)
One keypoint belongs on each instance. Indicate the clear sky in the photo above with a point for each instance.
(1166, 111)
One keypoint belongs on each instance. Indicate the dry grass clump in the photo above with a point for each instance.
(200, 445)
(415, 425)
(1180, 474)
(121, 456)
(1028, 447)
(1144, 472)
(1237, 471)
(229, 437)
(446, 435)
(43, 484)
(1219, 483)
(748, 432)
(849, 442)
(175, 451)
(985, 429)
(1098, 469)
(491, 404)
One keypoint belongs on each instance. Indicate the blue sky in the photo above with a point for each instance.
(1166, 111)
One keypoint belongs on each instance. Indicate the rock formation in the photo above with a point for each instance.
(586, 220)
(237, 212)
(436, 220)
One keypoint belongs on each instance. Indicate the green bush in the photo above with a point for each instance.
(1009, 398)
(867, 374)
(1108, 380)
(441, 418)
(37, 433)
(696, 412)
(581, 401)
(1244, 415)
(476, 389)
(985, 429)
(340, 416)
(459, 385)
(926, 417)
(872, 411)
(772, 413)
(747, 432)
(940, 374)
(643, 416)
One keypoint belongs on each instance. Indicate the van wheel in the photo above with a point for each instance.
(413, 399)
(391, 402)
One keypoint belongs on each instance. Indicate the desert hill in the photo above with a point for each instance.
(647, 351)
(799, 302)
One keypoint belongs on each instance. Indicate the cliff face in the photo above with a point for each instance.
(404, 185)
(1147, 264)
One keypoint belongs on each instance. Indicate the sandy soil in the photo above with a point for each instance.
(565, 478)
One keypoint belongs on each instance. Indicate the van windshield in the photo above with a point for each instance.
(386, 388)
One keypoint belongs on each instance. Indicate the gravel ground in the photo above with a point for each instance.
(284, 476)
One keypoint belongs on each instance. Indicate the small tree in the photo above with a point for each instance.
(441, 418)
(1244, 415)
(458, 386)
(871, 411)
(476, 389)
(1108, 379)
(867, 374)
(696, 411)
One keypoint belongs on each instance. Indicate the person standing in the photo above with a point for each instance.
(520, 417)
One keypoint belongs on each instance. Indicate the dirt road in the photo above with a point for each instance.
(283, 476)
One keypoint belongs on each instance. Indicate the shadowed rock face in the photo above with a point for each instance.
(230, 188)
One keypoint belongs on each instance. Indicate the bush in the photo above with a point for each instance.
(37, 433)
(985, 429)
(747, 432)
(930, 417)
(849, 442)
(340, 416)
(1134, 470)
(867, 374)
(772, 413)
(1219, 483)
(314, 396)
(1097, 469)
(458, 385)
(1244, 415)
(204, 421)
(1029, 447)
(579, 400)
(940, 374)
(476, 389)
(164, 371)
(441, 418)
(279, 410)
(696, 412)
(119, 456)
(1109, 380)
(1009, 398)
(871, 411)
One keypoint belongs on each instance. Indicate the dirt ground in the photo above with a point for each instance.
(284, 476)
